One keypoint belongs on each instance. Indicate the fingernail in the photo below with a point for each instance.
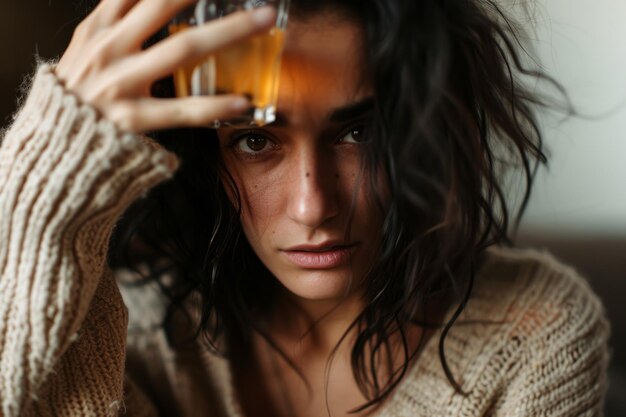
(263, 16)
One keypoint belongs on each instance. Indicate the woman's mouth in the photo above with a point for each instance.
(324, 257)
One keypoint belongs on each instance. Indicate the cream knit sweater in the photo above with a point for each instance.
(67, 347)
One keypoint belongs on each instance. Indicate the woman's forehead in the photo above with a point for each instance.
(322, 68)
(324, 44)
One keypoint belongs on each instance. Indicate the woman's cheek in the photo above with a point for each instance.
(262, 203)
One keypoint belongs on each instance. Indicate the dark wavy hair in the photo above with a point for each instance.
(451, 119)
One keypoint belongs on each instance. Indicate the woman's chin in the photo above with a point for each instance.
(320, 285)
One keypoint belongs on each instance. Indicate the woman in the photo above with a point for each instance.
(349, 259)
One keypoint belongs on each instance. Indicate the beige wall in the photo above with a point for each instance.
(582, 43)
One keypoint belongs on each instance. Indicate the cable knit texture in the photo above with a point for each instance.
(65, 178)
(531, 342)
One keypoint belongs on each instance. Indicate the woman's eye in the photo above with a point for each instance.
(252, 144)
(354, 135)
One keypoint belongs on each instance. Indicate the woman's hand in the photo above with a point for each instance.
(106, 67)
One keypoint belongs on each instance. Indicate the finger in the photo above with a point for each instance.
(108, 12)
(148, 17)
(153, 114)
(195, 44)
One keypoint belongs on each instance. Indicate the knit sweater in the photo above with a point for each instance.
(531, 341)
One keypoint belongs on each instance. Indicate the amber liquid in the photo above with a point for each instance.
(250, 67)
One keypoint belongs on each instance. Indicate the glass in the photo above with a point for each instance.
(250, 67)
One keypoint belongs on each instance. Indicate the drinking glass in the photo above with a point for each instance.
(250, 67)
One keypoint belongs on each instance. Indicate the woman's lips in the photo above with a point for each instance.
(324, 259)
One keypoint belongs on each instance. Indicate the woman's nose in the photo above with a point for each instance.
(313, 199)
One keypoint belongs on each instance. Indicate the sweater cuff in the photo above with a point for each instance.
(61, 162)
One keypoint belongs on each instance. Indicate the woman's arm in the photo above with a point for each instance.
(66, 175)
(69, 166)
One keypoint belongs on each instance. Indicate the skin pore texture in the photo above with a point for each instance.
(311, 217)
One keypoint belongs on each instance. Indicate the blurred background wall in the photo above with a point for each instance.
(583, 45)
(578, 209)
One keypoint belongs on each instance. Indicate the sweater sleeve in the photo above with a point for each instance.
(66, 175)
(562, 370)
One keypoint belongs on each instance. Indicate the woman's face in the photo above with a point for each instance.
(307, 210)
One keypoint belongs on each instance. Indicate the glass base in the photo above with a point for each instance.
(255, 116)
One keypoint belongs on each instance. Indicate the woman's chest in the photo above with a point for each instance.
(310, 391)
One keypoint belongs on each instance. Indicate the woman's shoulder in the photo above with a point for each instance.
(531, 285)
(529, 295)
(532, 338)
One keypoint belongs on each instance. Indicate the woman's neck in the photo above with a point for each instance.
(312, 367)
(313, 327)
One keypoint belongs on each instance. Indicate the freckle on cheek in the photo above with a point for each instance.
(308, 175)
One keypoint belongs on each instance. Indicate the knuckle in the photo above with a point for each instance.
(114, 92)
(102, 54)
(86, 28)
(96, 53)
(183, 114)
(186, 48)
(179, 114)
(193, 116)
(203, 113)
(182, 52)
(98, 59)
(124, 116)
(105, 95)
(82, 31)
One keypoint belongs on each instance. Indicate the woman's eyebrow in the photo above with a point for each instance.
(338, 115)
(351, 111)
